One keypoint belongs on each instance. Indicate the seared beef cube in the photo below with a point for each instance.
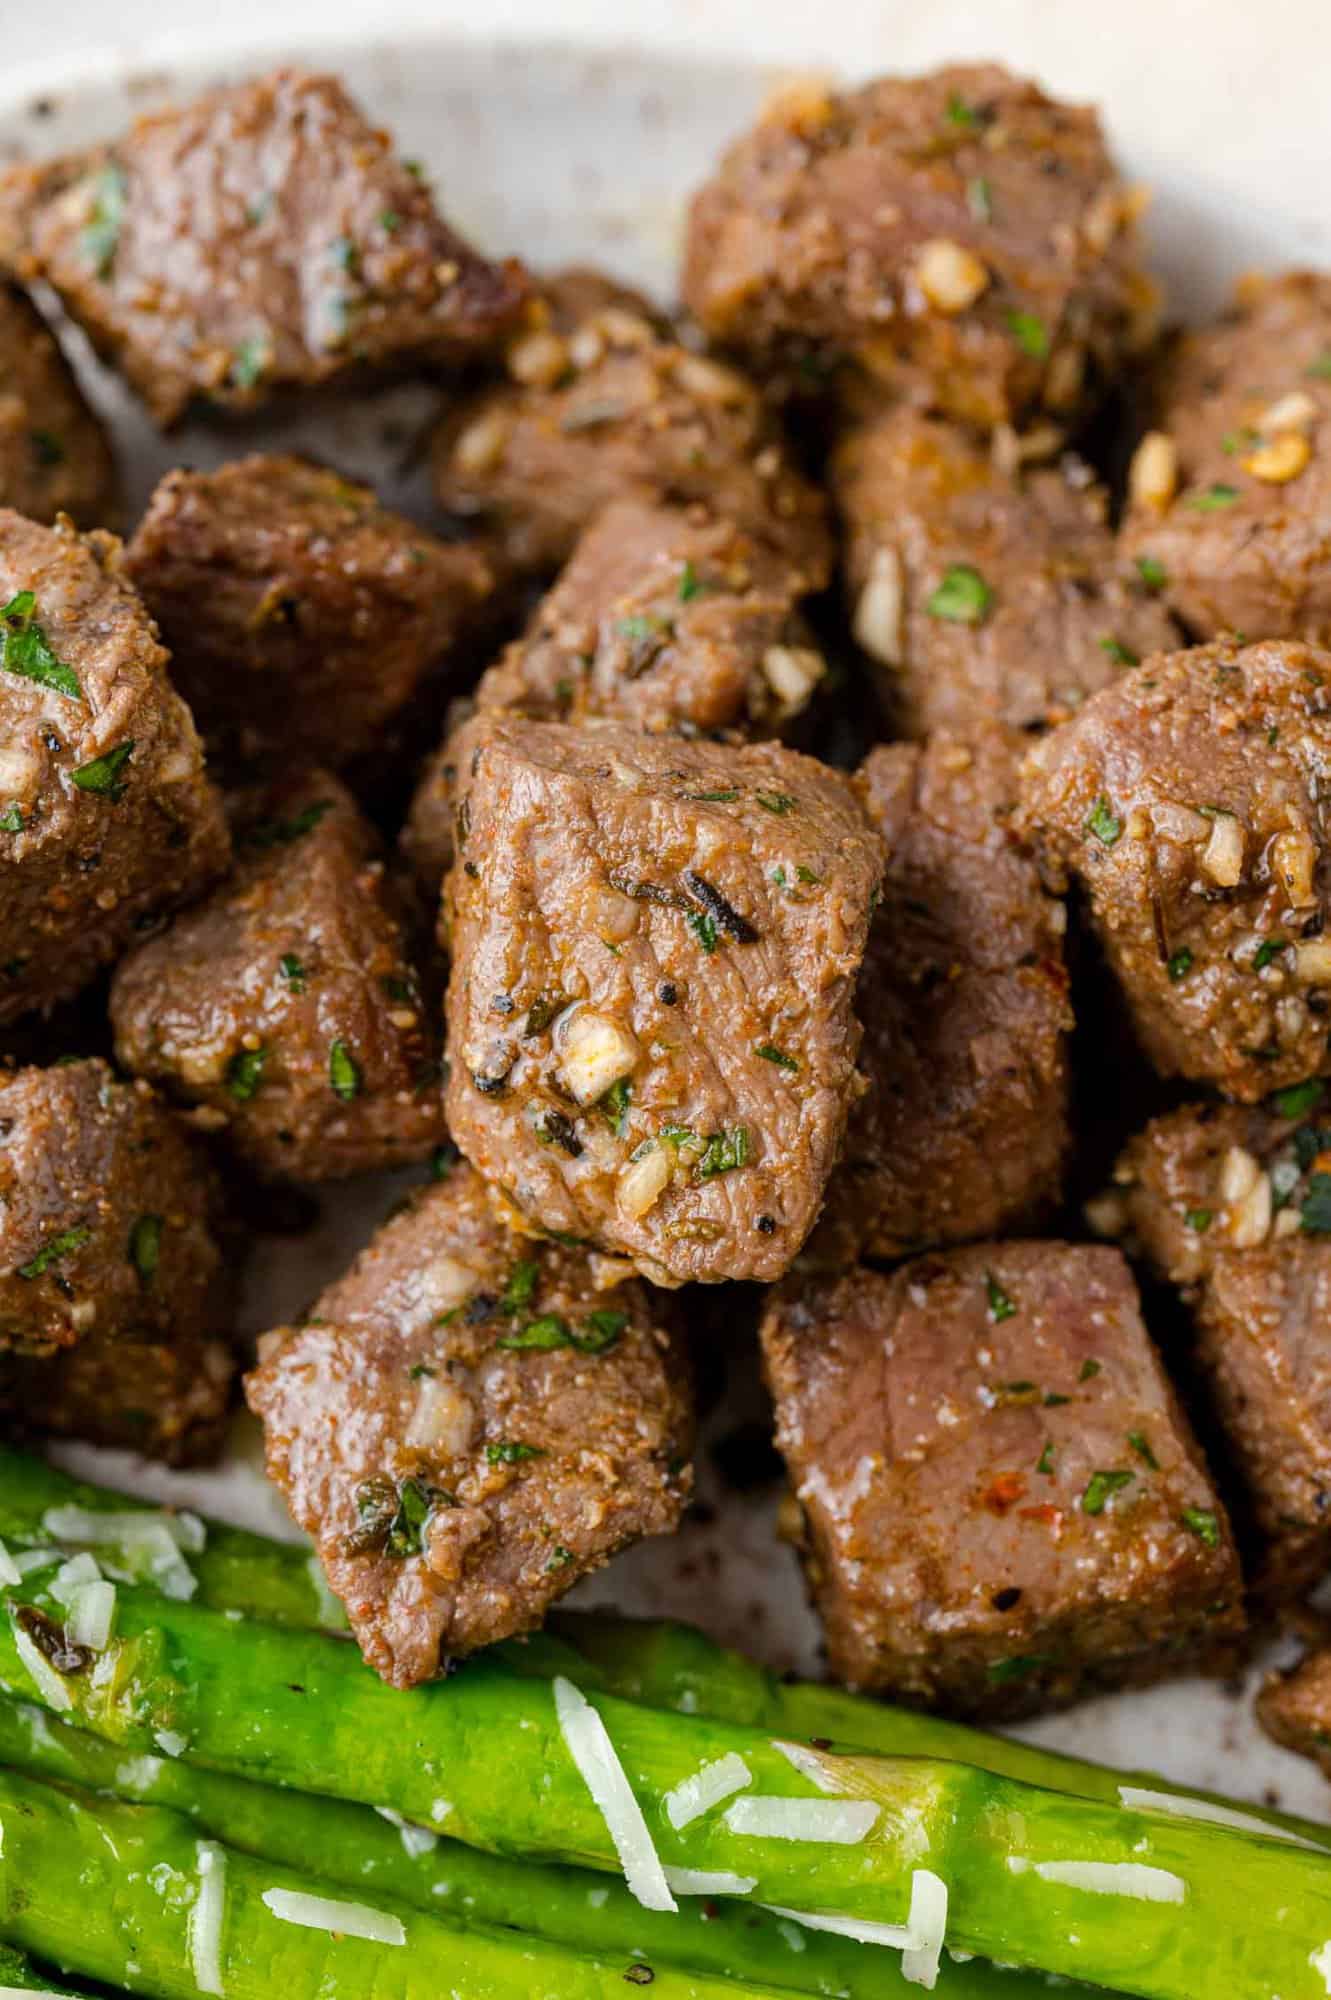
(1002, 1504)
(1230, 1202)
(960, 233)
(1229, 495)
(54, 455)
(665, 618)
(106, 816)
(603, 406)
(964, 1127)
(1295, 1709)
(262, 237)
(668, 618)
(1188, 799)
(300, 614)
(167, 1399)
(655, 947)
(108, 1215)
(982, 592)
(286, 1008)
(469, 1422)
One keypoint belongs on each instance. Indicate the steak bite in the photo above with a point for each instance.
(108, 1216)
(655, 948)
(668, 618)
(1233, 1203)
(963, 1130)
(962, 235)
(979, 592)
(1187, 798)
(263, 237)
(166, 1398)
(55, 457)
(286, 1008)
(1001, 1504)
(603, 405)
(300, 614)
(106, 816)
(1295, 1708)
(468, 1423)
(1230, 493)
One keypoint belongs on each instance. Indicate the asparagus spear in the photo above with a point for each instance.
(1156, 1906)
(566, 1906)
(663, 1664)
(166, 1914)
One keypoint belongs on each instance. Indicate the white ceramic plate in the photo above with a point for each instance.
(564, 152)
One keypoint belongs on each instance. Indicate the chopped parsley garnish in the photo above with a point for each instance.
(1199, 1219)
(597, 1334)
(11, 821)
(145, 1247)
(511, 1451)
(1152, 572)
(106, 213)
(520, 1290)
(416, 1503)
(560, 1558)
(389, 221)
(442, 1162)
(249, 362)
(713, 798)
(689, 586)
(770, 1053)
(725, 1151)
(1268, 949)
(281, 832)
(1101, 1486)
(25, 649)
(963, 597)
(1001, 1304)
(1053, 1401)
(703, 927)
(1030, 333)
(1045, 1462)
(1315, 1214)
(1179, 964)
(63, 1245)
(343, 1072)
(1213, 499)
(980, 199)
(1121, 655)
(1089, 1370)
(779, 803)
(1102, 822)
(244, 1072)
(1019, 1668)
(1204, 1523)
(1299, 1099)
(421, 1371)
(614, 1106)
(102, 775)
(292, 971)
(960, 113)
(1141, 1445)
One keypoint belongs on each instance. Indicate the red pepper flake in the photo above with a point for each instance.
(1006, 1490)
(1048, 1515)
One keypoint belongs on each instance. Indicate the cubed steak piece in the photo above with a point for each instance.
(106, 816)
(1001, 1505)
(963, 1130)
(1189, 800)
(286, 1008)
(978, 591)
(961, 234)
(1229, 493)
(1295, 1708)
(165, 1398)
(655, 946)
(603, 405)
(1233, 1204)
(55, 457)
(300, 614)
(108, 1216)
(263, 237)
(467, 1423)
(664, 617)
